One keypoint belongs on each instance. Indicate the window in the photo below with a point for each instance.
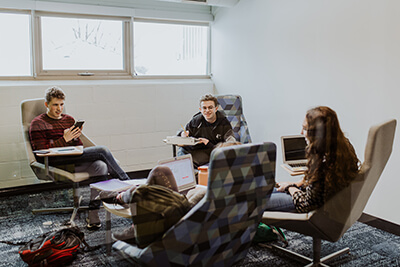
(15, 45)
(162, 48)
(82, 46)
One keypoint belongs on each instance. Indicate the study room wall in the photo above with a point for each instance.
(130, 117)
(284, 57)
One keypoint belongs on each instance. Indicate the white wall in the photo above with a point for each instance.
(285, 56)
(130, 117)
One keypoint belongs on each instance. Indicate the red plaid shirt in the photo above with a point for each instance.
(46, 132)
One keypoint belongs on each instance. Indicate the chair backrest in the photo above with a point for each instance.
(219, 229)
(30, 108)
(231, 105)
(346, 207)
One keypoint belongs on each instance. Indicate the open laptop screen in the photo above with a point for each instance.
(294, 148)
(182, 168)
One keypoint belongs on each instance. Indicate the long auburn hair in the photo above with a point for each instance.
(330, 155)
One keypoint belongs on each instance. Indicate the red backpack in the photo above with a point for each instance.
(53, 248)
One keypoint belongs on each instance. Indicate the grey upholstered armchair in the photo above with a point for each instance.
(232, 107)
(29, 110)
(219, 230)
(338, 214)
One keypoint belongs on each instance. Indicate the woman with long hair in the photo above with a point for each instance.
(331, 160)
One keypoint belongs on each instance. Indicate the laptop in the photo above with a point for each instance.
(294, 152)
(182, 168)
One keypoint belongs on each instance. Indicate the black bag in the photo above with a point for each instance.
(154, 210)
(54, 248)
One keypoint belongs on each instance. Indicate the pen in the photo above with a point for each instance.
(66, 149)
(184, 130)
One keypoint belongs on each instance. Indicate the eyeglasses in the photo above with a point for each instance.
(209, 107)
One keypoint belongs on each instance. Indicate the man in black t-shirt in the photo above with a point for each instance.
(210, 126)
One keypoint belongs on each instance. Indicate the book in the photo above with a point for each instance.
(67, 150)
(182, 141)
(59, 151)
(111, 185)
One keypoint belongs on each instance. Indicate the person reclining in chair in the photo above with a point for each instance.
(210, 126)
(55, 129)
(159, 175)
(331, 160)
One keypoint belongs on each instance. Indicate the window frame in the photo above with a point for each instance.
(128, 71)
(40, 73)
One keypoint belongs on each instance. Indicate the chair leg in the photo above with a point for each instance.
(108, 232)
(316, 250)
(296, 256)
(316, 261)
(336, 254)
(77, 207)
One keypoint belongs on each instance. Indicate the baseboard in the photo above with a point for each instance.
(37, 188)
(380, 224)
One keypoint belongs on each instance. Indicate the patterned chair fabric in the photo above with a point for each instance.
(217, 231)
(232, 107)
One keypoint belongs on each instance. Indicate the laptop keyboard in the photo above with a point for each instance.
(297, 165)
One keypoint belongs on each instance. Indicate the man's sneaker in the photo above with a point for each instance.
(92, 226)
(110, 197)
(127, 235)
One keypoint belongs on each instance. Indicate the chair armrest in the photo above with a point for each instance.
(56, 174)
(244, 131)
(87, 142)
(273, 216)
(118, 210)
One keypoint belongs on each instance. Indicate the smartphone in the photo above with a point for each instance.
(79, 123)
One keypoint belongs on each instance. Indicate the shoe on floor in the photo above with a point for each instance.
(127, 235)
(92, 226)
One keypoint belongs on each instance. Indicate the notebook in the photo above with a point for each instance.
(294, 152)
(184, 141)
(111, 185)
(182, 168)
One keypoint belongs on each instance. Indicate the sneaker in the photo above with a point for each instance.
(127, 235)
(110, 197)
(92, 226)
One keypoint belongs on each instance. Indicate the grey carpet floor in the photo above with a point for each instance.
(368, 246)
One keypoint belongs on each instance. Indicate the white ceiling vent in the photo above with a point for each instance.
(224, 3)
